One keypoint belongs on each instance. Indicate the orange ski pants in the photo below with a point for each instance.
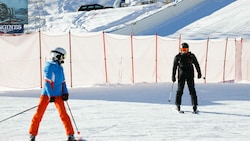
(43, 103)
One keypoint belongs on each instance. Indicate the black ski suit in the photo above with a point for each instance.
(184, 63)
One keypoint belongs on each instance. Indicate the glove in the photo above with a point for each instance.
(65, 97)
(199, 75)
(52, 99)
(173, 78)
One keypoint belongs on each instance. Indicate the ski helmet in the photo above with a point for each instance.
(184, 47)
(58, 54)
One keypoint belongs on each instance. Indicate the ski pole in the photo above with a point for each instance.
(170, 93)
(78, 132)
(18, 113)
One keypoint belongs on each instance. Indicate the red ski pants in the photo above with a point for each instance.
(43, 103)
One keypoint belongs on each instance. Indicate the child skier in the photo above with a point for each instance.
(54, 91)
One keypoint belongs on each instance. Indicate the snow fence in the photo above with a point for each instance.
(102, 58)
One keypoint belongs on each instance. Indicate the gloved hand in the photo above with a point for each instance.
(65, 97)
(199, 75)
(173, 78)
(52, 99)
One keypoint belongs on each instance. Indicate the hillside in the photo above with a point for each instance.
(213, 18)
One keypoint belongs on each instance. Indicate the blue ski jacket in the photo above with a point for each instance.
(54, 84)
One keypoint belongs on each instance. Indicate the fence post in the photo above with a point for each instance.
(132, 57)
(70, 60)
(179, 43)
(247, 70)
(40, 57)
(156, 57)
(105, 56)
(205, 80)
(225, 57)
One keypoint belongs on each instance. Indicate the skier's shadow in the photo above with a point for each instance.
(221, 113)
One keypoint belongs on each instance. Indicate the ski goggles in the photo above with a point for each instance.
(63, 56)
(184, 49)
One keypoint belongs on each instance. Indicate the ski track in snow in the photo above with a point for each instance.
(135, 112)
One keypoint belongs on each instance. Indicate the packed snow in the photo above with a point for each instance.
(138, 112)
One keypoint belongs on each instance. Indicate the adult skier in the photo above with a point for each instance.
(54, 91)
(184, 61)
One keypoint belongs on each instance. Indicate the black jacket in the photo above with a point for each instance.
(184, 63)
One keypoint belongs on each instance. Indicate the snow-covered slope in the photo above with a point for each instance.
(214, 19)
(62, 16)
(134, 112)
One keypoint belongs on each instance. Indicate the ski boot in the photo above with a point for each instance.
(178, 108)
(32, 138)
(71, 138)
(195, 111)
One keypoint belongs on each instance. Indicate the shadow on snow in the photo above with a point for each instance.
(208, 94)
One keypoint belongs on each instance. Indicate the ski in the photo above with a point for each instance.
(195, 112)
(77, 139)
(175, 109)
(181, 112)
